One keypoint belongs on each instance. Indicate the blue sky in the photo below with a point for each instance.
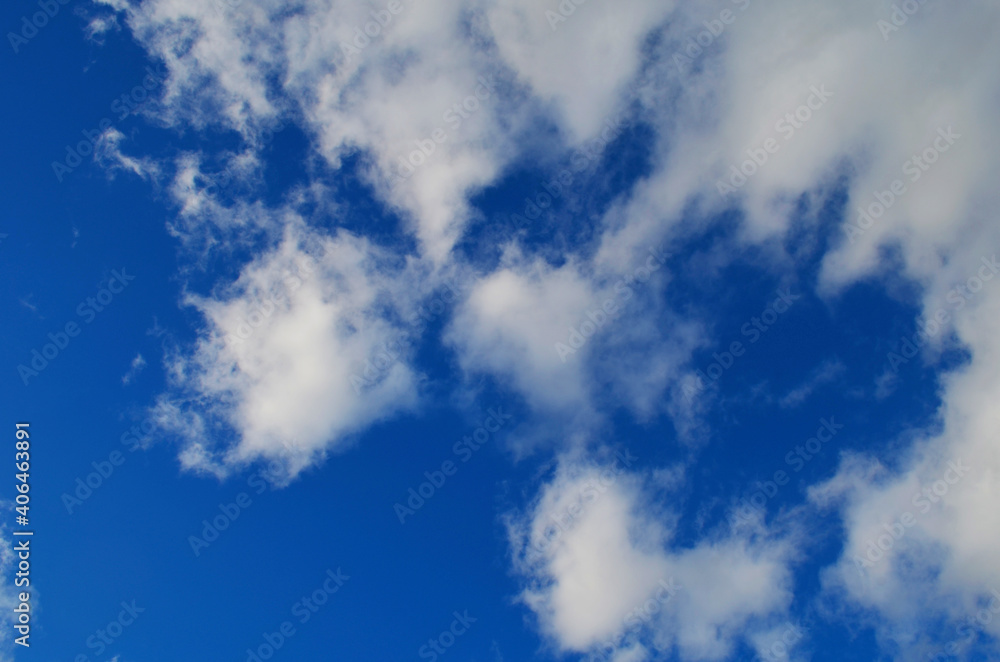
(676, 340)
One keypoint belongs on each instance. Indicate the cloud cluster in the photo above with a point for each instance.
(907, 138)
(795, 106)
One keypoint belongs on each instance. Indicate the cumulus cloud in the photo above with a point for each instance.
(511, 323)
(575, 342)
(310, 344)
(603, 574)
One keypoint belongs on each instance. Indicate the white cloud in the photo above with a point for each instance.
(99, 26)
(510, 324)
(825, 373)
(212, 208)
(108, 153)
(137, 365)
(575, 343)
(603, 40)
(305, 348)
(596, 552)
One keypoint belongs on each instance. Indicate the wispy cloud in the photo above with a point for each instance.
(824, 374)
(137, 366)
